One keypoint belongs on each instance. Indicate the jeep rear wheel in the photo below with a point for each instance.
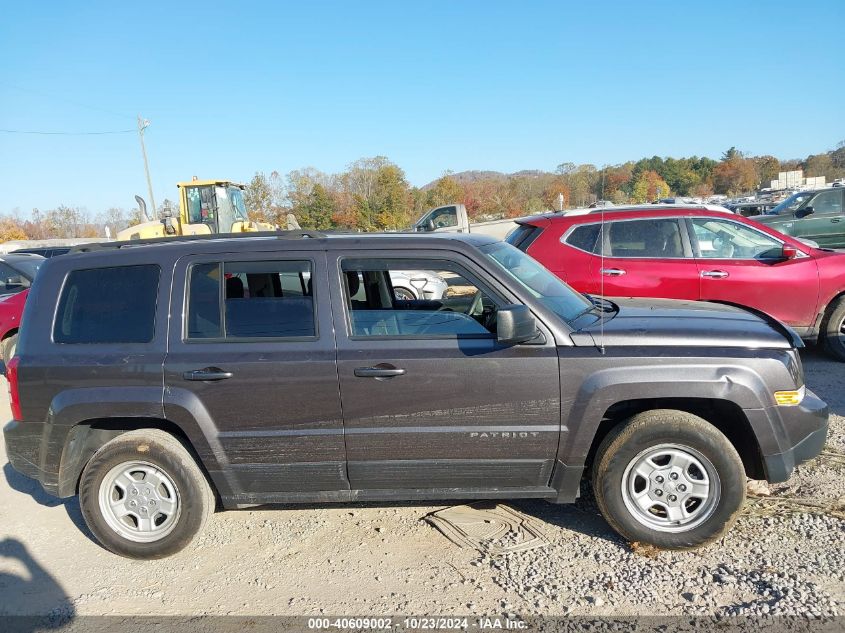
(670, 479)
(834, 331)
(143, 495)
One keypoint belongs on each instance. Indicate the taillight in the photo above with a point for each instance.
(12, 378)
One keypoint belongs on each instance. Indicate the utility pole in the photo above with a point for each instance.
(143, 124)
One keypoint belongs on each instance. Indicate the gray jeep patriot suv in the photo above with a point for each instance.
(159, 380)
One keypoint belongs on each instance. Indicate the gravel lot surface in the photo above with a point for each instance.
(781, 558)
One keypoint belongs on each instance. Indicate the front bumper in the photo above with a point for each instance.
(24, 442)
(811, 418)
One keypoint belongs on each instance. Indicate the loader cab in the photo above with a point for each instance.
(217, 205)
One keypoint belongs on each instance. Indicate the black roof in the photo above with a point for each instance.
(319, 239)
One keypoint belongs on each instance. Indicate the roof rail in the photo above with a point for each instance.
(282, 235)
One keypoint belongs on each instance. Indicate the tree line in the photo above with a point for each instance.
(373, 194)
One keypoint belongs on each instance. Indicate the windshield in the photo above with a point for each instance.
(230, 207)
(27, 267)
(543, 285)
(791, 203)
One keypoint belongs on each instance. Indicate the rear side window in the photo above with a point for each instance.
(646, 238)
(108, 305)
(584, 237)
(250, 300)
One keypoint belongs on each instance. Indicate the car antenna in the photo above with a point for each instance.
(601, 281)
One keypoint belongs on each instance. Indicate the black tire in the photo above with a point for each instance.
(404, 294)
(649, 430)
(167, 454)
(834, 330)
(8, 346)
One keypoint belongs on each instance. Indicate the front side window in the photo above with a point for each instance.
(723, 239)
(415, 298)
(442, 218)
(827, 202)
(658, 238)
(250, 300)
(108, 305)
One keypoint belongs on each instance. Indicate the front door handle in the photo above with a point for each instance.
(612, 272)
(209, 373)
(714, 274)
(379, 371)
(836, 219)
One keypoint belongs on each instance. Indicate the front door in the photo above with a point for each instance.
(644, 258)
(254, 363)
(740, 265)
(431, 401)
(826, 224)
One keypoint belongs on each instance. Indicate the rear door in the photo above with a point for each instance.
(431, 401)
(253, 361)
(741, 265)
(648, 257)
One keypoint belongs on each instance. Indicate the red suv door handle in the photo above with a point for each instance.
(612, 272)
(714, 274)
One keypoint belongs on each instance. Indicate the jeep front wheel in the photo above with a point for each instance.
(143, 495)
(670, 479)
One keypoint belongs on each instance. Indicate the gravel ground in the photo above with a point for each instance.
(780, 559)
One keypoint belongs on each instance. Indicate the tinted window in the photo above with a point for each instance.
(584, 237)
(267, 299)
(723, 239)
(450, 303)
(646, 238)
(108, 305)
(11, 280)
(827, 202)
(523, 236)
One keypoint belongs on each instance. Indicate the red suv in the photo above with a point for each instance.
(679, 252)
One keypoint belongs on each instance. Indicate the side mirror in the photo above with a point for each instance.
(515, 324)
(803, 213)
(789, 252)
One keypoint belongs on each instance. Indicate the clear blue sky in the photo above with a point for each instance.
(236, 88)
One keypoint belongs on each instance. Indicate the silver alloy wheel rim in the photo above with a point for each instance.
(401, 294)
(139, 501)
(671, 488)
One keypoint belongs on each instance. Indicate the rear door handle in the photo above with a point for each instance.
(209, 373)
(612, 272)
(379, 371)
(714, 274)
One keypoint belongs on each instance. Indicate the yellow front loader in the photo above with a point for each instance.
(205, 207)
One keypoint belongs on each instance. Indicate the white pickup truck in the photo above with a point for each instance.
(453, 218)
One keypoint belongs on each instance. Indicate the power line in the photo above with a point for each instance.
(4, 131)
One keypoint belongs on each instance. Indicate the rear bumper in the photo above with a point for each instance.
(23, 449)
(811, 416)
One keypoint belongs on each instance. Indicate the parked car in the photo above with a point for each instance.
(417, 284)
(44, 251)
(17, 271)
(748, 209)
(694, 254)
(157, 387)
(817, 215)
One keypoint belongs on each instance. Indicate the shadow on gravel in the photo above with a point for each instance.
(34, 601)
(824, 376)
(27, 486)
(582, 516)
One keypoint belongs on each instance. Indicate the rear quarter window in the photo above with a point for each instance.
(584, 237)
(108, 305)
